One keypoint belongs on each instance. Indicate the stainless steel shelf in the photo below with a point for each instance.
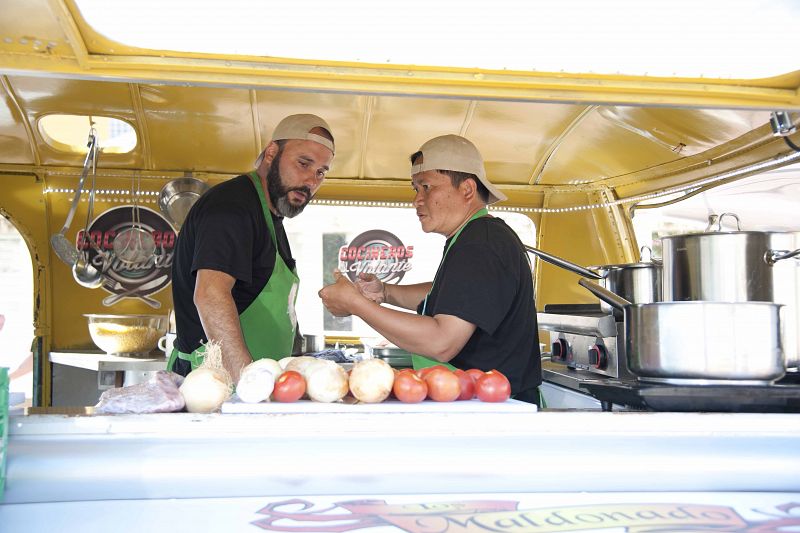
(103, 362)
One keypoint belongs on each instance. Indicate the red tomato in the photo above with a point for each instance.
(289, 387)
(475, 373)
(409, 387)
(443, 385)
(493, 387)
(422, 372)
(466, 384)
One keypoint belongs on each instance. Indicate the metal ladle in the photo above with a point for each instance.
(64, 249)
(84, 272)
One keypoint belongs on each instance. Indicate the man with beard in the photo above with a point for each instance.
(233, 275)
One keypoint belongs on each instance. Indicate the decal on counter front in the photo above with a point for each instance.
(124, 279)
(467, 516)
(376, 252)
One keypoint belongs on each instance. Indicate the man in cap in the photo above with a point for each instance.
(233, 276)
(478, 312)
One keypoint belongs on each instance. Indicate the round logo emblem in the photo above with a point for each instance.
(376, 252)
(125, 279)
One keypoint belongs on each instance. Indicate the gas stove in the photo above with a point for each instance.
(585, 338)
(782, 396)
(587, 353)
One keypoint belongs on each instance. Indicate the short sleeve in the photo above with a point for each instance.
(476, 286)
(225, 235)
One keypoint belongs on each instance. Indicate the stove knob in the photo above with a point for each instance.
(559, 350)
(598, 357)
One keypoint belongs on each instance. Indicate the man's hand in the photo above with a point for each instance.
(339, 297)
(371, 287)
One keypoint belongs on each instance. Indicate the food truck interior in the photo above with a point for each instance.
(661, 185)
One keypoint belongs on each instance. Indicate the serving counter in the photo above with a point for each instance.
(173, 462)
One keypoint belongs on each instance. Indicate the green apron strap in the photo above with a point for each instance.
(420, 361)
(270, 322)
(195, 358)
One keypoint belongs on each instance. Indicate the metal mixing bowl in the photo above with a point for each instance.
(127, 335)
(178, 196)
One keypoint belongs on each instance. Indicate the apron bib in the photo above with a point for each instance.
(420, 361)
(269, 322)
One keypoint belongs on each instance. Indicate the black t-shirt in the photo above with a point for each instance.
(486, 280)
(226, 231)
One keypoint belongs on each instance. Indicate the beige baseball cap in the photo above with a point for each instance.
(298, 127)
(453, 152)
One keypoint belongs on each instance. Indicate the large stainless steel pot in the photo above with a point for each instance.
(674, 341)
(635, 282)
(738, 266)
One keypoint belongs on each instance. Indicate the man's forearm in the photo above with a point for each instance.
(423, 335)
(406, 296)
(220, 321)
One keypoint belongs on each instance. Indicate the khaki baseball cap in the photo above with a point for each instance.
(298, 127)
(453, 152)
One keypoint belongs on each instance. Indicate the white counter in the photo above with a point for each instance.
(62, 458)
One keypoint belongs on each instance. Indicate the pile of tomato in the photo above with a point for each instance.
(437, 383)
(441, 384)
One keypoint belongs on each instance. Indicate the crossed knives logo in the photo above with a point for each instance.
(125, 279)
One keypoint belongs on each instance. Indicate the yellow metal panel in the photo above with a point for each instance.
(613, 140)
(15, 142)
(754, 146)
(586, 238)
(395, 133)
(205, 129)
(44, 96)
(30, 27)
(342, 112)
(529, 129)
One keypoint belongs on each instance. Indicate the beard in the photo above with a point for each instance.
(278, 192)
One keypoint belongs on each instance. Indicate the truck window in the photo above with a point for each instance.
(387, 241)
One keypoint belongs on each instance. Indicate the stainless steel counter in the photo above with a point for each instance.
(103, 362)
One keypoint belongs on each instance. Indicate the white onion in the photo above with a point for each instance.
(266, 363)
(326, 381)
(371, 380)
(205, 389)
(304, 364)
(255, 384)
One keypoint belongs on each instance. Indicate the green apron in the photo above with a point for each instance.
(269, 323)
(420, 361)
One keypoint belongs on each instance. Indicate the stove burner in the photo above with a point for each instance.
(724, 398)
